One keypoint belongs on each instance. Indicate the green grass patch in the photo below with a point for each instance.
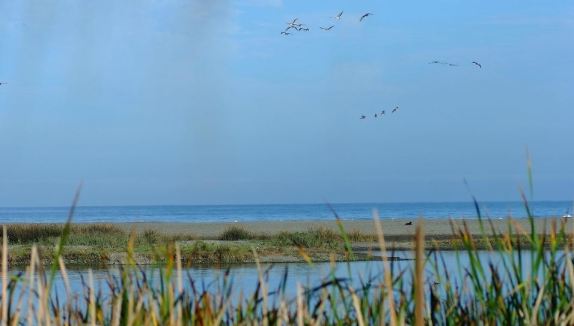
(236, 233)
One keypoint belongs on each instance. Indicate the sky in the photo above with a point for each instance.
(158, 102)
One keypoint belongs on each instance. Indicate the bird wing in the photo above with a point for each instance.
(365, 15)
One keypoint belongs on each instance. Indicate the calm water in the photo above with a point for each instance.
(245, 277)
(244, 213)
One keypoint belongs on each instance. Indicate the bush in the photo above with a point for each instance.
(151, 236)
(235, 233)
(317, 238)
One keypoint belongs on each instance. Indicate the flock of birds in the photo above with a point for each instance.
(297, 25)
(382, 113)
(476, 63)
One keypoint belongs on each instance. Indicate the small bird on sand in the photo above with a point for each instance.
(395, 109)
(365, 16)
(327, 28)
(409, 223)
(477, 64)
(338, 17)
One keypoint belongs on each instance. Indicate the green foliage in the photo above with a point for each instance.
(316, 238)
(236, 233)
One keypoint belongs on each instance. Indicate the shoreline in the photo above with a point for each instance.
(391, 227)
(275, 242)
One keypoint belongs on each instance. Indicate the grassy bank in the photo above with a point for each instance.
(105, 244)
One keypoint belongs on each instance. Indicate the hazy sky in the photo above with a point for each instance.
(200, 102)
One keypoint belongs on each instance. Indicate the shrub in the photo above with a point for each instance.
(235, 233)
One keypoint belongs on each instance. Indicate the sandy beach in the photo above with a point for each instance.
(395, 228)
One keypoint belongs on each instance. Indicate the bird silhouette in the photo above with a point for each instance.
(285, 33)
(365, 16)
(375, 115)
(363, 117)
(477, 64)
(327, 28)
(293, 22)
(409, 223)
(395, 109)
(442, 63)
(338, 17)
(383, 112)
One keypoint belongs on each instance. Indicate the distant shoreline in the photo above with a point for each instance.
(391, 227)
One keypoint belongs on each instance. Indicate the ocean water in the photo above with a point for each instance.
(284, 212)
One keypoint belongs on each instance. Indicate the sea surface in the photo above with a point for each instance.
(283, 212)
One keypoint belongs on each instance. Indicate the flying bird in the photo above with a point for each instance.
(395, 109)
(477, 64)
(293, 22)
(2, 83)
(304, 29)
(338, 17)
(327, 28)
(285, 33)
(365, 16)
(443, 63)
(383, 112)
(363, 117)
(375, 115)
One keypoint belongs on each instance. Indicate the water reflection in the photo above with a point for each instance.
(244, 278)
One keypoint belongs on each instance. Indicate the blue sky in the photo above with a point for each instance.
(204, 102)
